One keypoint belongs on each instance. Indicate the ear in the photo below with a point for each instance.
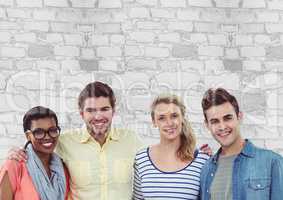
(81, 113)
(28, 135)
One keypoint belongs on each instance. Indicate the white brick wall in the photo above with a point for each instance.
(142, 47)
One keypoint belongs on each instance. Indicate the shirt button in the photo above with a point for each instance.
(258, 185)
(207, 191)
(211, 174)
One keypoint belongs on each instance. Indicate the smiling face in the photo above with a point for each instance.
(224, 125)
(97, 114)
(47, 144)
(168, 118)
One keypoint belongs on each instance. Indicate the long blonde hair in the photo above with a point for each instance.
(188, 140)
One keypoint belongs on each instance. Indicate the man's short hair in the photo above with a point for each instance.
(35, 113)
(96, 89)
(215, 97)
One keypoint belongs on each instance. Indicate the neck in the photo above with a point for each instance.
(100, 137)
(169, 147)
(233, 149)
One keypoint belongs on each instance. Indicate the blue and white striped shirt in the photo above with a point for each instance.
(152, 183)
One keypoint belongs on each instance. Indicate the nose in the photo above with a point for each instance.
(169, 122)
(221, 125)
(97, 115)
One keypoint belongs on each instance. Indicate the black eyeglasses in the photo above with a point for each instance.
(40, 133)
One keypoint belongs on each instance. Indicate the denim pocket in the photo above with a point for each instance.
(259, 183)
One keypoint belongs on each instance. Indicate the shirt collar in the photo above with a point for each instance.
(112, 135)
(248, 151)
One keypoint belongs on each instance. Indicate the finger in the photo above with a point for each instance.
(204, 146)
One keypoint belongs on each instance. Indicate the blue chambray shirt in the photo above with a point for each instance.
(257, 175)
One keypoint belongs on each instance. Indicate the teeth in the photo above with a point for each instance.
(47, 144)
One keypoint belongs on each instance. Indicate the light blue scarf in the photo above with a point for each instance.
(47, 189)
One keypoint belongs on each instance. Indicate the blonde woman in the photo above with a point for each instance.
(170, 169)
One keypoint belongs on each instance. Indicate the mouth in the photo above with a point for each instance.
(224, 134)
(99, 124)
(170, 130)
(48, 144)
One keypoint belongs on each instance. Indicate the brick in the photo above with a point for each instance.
(87, 53)
(230, 28)
(271, 80)
(73, 39)
(274, 28)
(72, 15)
(197, 38)
(173, 3)
(212, 66)
(274, 144)
(6, 64)
(4, 25)
(18, 13)
(83, 3)
(48, 64)
(252, 28)
(108, 28)
(149, 25)
(131, 81)
(227, 3)
(231, 53)
(274, 66)
(56, 3)
(85, 28)
(217, 39)
(215, 15)
(99, 40)
(161, 13)
(119, 16)
(181, 26)
(2, 83)
(12, 52)
(62, 27)
(229, 81)
(275, 5)
(192, 65)
(2, 13)
(184, 51)
(267, 16)
(5, 37)
(144, 37)
(70, 65)
(109, 52)
(66, 51)
(188, 14)
(176, 81)
(252, 52)
(262, 39)
(29, 3)
(242, 16)
(243, 40)
(169, 37)
(89, 65)
(36, 26)
(109, 4)
(203, 3)
(148, 2)
(250, 65)
(141, 64)
(206, 27)
(39, 51)
(131, 50)
(233, 65)
(117, 39)
(169, 65)
(210, 51)
(97, 16)
(45, 14)
(275, 52)
(23, 65)
(156, 52)
(254, 4)
(108, 65)
(7, 3)
(54, 38)
(25, 37)
(139, 12)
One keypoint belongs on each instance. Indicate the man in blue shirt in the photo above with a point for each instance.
(239, 170)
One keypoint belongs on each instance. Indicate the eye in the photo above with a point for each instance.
(175, 115)
(161, 118)
(105, 109)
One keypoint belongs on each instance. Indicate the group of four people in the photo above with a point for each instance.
(99, 161)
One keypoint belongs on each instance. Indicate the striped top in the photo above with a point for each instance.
(152, 183)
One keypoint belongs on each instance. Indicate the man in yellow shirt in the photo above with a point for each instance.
(99, 158)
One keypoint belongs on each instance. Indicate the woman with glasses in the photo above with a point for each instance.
(43, 176)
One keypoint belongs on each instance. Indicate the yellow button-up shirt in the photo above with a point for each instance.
(99, 173)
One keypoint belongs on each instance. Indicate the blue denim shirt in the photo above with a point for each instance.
(257, 175)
